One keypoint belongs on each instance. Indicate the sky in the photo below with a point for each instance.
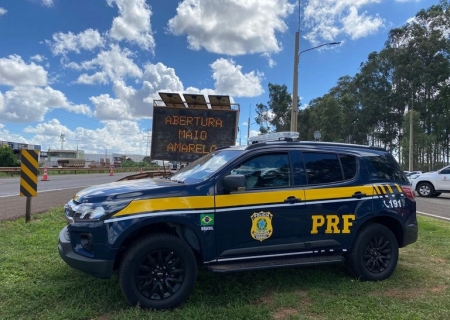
(90, 69)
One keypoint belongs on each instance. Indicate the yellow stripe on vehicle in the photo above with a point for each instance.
(263, 197)
(173, 203)
(336, 193)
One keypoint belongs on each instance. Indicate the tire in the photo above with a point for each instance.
(425, 189)
(437, 194)
(374, 254)
(158, 272)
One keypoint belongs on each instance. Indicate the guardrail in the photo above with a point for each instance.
(65, 170)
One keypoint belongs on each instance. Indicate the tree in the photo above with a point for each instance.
(7, 157)
(276, 115)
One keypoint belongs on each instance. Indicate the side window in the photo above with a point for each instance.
(265, 171)
(322, 168)
(349, 166)
(385, 167)
(445, 171)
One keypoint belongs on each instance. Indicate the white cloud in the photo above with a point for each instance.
(130, 103)
(162, 78)
(3, 11)
(15, 72)
(133, 24)
(66, 42)
(232, 27)
(111, 137)
(115, 64)
(107, 108)
(229, 79)
(358, 26)
(51, 128)
(327, 20)
(38, 58)
(27, 104)
(47, 3)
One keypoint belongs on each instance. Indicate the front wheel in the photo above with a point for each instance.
(158, 272)
(437, 194)
(425, 189)
(374, 254)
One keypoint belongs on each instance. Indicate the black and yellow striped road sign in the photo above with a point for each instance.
(29, 173)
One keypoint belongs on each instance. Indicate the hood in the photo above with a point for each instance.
(128, 189)
(426, 173)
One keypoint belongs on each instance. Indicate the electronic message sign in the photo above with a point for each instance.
(186, 134)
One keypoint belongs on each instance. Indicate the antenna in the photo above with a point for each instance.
(62, 138)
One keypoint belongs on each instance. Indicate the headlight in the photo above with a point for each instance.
(414, 176)
(93, 211)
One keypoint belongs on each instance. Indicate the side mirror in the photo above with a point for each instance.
(234, 182)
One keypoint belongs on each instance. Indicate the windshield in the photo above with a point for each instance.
(203, 168)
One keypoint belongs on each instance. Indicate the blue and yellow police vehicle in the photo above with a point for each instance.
(275, 203)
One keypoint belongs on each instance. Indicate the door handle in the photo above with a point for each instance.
(292, 199)
(359, 195)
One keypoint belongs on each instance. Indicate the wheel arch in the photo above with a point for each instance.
(391, 223)
(423, 181)
(180, 230)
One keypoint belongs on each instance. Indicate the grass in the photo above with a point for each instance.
(36, 284)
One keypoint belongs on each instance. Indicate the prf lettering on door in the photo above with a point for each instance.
(331, 223)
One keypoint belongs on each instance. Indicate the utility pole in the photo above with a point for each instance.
(294, 111)
(410, 165)
(248, 123)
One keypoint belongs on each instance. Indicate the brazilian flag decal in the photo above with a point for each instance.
(207, 219)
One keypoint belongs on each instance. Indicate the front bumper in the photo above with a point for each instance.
(95, 267)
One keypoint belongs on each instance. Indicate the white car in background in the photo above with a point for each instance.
(412, 175)
(431, 184)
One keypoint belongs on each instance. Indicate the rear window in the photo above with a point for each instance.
(385, 167)
(329, 167)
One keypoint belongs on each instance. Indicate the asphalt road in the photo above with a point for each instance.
(60, 188)
(53, 193)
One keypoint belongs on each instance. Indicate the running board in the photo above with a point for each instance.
(273, 264)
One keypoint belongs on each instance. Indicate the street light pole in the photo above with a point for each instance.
(294, 111)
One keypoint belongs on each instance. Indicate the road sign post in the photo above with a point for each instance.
(28, 178)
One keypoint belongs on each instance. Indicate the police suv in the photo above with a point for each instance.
(275, 203)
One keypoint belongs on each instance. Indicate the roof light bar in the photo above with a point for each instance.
(287, 136)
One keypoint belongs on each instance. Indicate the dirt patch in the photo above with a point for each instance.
(266, 299)
(284, 313)
(281, 313)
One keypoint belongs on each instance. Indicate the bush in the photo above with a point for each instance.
(7, 157)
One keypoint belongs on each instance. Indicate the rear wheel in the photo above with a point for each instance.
(425, 189)
(158, 272)
(374, 254)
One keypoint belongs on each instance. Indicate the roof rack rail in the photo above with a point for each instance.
(276, 136)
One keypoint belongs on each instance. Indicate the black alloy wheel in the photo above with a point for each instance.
(158, 272)
(377, 254)
(160, 275)
(374, 254)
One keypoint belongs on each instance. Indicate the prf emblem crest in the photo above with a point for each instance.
(261, 225)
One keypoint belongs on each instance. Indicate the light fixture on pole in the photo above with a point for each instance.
(294, 111)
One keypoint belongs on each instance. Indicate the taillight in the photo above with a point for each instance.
(409, 192)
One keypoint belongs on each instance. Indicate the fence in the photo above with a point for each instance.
(153, 170)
